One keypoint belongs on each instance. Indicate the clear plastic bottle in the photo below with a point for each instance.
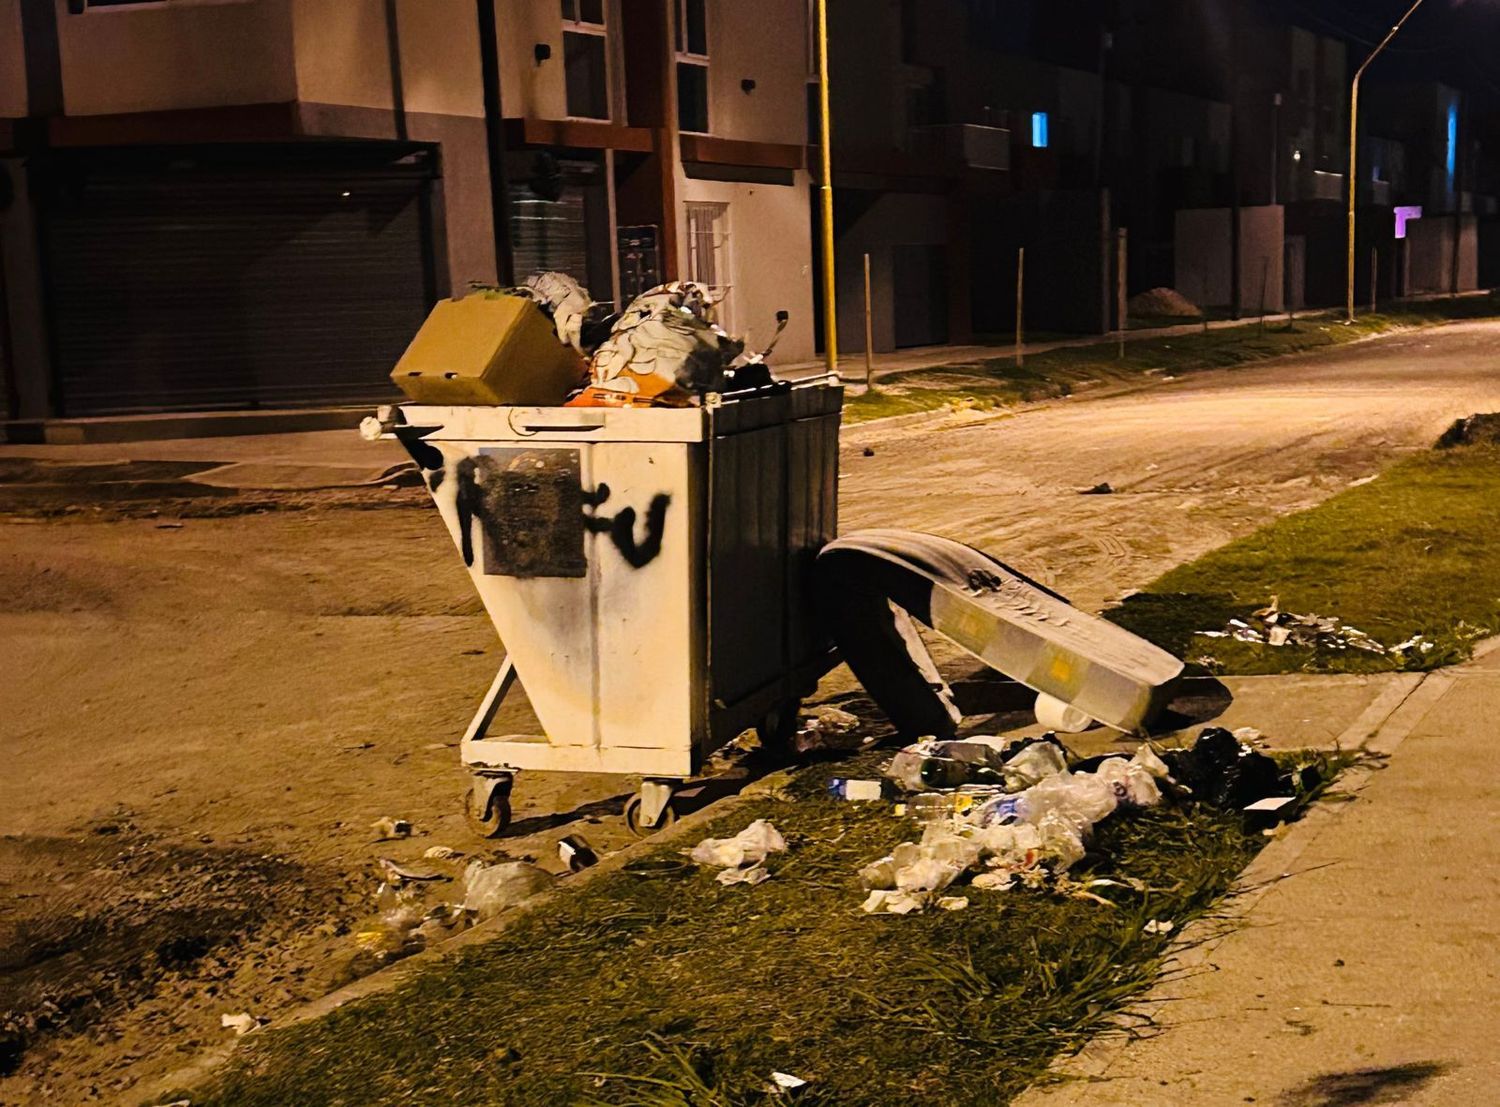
(930, 807)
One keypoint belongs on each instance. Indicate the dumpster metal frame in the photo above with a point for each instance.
(760, 476)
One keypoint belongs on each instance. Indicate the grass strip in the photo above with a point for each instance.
(997, 381)
(674, 990)
(1412, 552)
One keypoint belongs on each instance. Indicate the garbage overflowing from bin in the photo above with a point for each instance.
(639, 504)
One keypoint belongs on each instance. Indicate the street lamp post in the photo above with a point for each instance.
(1354, 153)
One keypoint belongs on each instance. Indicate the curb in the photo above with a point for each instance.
(961, 418)
(1379, 730)
(1380, 735)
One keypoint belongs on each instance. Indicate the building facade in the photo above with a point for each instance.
(253, 203)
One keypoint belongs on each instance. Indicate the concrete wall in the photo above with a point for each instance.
(529, 89)
(12, 62)
(770, 258)
(863, 47)
(177, 56)
(765, 42)
(895, 219)
(342, 56)
(1262, 260)
(1201, 256)
(160, 58)
(1430, 242)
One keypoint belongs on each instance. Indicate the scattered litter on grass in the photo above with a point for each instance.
(784, 1083)
(858, 791)
(978, 760)
(828, 729)
(1219, 770)
(742, 857)
(1158, 926)
(388, 828)
(242, 1023)
(755, 874)
(1271, 626)
(490, 889)
(1034, 826)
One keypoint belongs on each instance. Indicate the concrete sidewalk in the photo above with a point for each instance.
(1363, 965)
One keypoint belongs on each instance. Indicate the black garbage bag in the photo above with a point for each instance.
(1221, 771)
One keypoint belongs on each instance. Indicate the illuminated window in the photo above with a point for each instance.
(1039, 129)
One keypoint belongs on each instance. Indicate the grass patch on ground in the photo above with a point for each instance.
(1413, 552)
(685, 992)
(997, 381)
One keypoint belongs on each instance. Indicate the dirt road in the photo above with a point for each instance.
(202, 721)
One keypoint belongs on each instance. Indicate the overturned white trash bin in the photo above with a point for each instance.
(649, 571)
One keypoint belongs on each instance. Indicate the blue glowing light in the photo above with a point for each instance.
(1452, 163)
(1039, 129)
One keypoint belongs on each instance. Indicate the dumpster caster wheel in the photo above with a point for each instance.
(492, 822)
(779, 727)
(634, 823)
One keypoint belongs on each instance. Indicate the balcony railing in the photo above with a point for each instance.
(970, 144)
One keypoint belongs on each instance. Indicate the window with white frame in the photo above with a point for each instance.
(586, 58)
(692, 65)
(708, 252)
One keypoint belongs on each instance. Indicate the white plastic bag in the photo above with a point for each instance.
(490, 889)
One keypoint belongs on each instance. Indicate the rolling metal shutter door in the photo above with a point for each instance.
(197, 289)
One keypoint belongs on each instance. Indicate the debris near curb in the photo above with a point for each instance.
(1030, 826)
(1271, 626)
(242, 1023)
(388, 828)
(741, 859)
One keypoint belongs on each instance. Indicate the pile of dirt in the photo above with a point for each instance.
(1164, 302)
(1480, 428)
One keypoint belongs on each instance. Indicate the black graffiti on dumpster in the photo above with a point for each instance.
(470, 503)
(621, 527)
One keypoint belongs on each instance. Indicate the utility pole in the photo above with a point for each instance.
(825, 194)
(1354, 154)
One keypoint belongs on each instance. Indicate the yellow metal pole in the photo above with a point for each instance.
(825, 194)
(1353, 154)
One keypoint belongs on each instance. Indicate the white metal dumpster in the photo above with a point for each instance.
(649, 571)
